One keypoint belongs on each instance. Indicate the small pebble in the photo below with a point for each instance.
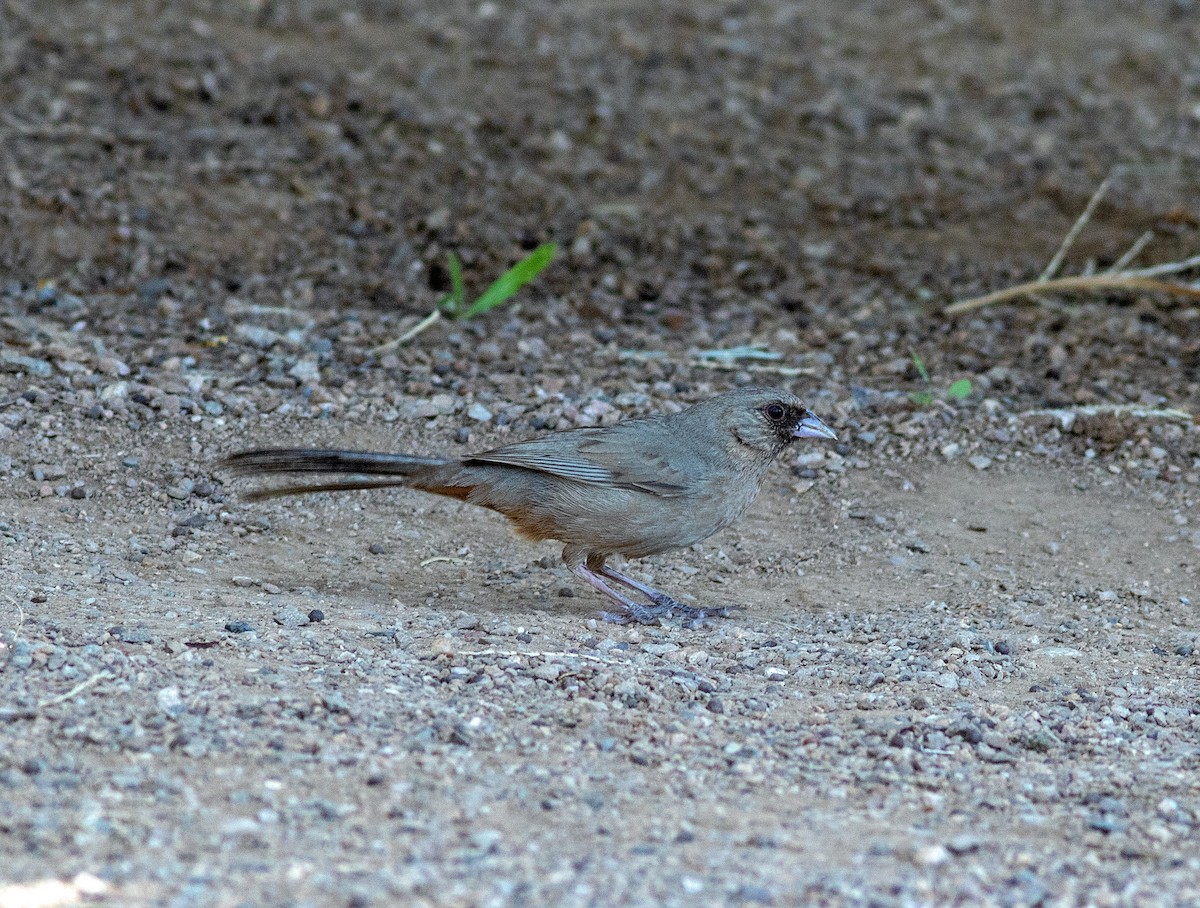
(548, 671)
(290, 616)
(1107, 824)
(979, 461)
(131, 635)
(262, 338)
(750, 892)
(14, 362)
(239, 627)
(932, 855)
(48, 471)
(963, 844)
(169, 700)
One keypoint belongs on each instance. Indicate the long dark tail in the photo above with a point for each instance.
(317, 460)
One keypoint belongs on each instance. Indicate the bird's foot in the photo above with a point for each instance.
(664, 607)
(661, 605)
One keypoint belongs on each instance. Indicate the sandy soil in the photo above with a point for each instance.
(964, 665)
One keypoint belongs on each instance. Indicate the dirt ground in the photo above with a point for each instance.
(966, 666)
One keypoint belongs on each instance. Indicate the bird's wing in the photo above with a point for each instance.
(633, 454)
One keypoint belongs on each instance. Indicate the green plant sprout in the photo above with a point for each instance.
(454, 304)
(956, 391)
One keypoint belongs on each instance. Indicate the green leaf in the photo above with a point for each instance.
(920, 365)
(513, 280)
(457, 291)
(959, 389)
(920, 398)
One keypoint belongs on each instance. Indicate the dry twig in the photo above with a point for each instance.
(1076, 229)
(427, 322)
(1118, 277)
(1124, 281)
(76, 690)
(509, 654)
(1064, 414)
(721, 365)
(1131, 253)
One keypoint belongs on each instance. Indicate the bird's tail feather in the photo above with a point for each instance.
(319, 460)
(350, 485)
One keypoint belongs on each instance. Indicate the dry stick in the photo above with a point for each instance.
(1129, 280)
(76, 690)
(73, 131)
(1165, 268)
(1056, 260)
(1131, 253)
(446, 558)
(719, 365)
(725, 366)
(793, 627)
(543, 654)
(427, 322)
(20, 611)
(239, 308)
(1112, 279)
(1171, 414)
(1076, 228)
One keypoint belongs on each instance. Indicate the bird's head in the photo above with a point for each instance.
(767, 420)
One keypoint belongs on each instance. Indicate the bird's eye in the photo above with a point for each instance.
(774, 411)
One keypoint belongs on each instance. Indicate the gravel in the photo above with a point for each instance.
(963, 666)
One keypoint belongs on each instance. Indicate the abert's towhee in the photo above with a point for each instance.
(637, 488)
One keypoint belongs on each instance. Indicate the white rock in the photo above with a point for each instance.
(306, 371)
(169, 699)
(479, 413)
(255, 336)
(443, 404)
(548, 671)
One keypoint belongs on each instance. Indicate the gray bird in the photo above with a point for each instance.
(637, 488)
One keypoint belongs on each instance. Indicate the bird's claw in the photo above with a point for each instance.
(665, 607)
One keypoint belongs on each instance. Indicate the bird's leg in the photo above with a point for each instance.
(643, 614)
(658, 597)
(590, 566)
(663, 604)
